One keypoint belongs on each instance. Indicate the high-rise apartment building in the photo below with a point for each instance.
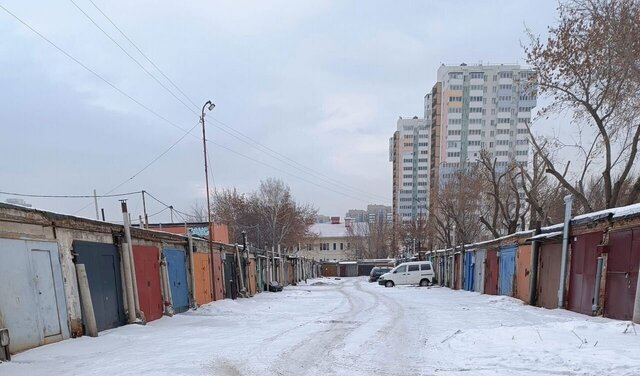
(409, 153)
(373, 214)
(470, 108)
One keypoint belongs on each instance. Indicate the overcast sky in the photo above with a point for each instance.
(320, 82)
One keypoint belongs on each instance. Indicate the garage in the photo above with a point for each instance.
(177, 267)
(478, 270)
(550, 260)
(582, 274)
(102, 263)
(622, 273)
(507, 269)
(491, 272)
(147, 264)
(32, 299)
(202, 276)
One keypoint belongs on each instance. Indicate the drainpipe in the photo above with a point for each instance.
(636, 306)
(596, 291)
(126, 260)
(243, 290)
(194, 303)
(568, 200)
(281, 264)
(273, 263)
(535, 258)
(168, 299)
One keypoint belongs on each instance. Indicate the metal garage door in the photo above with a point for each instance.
(148, 280)
(32, 300)
(491, 272)
(549, 274)
(177, 267)
(469, 267)
(218, 280)
(202, 272)
(478, 279)
(622, 273)
(102, 262)
(582, 273)
(507, 269)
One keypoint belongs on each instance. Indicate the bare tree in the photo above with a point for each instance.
(543, 194)
(456, 207)
(503, 208)
(271, 214)
(370, 240)
(590, 66)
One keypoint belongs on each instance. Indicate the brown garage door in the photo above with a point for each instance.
(622, 273)
(491, 272)
(549, 274)
(582, 275)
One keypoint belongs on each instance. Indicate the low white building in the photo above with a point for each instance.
(331, 241)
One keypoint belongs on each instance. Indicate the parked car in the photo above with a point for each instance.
(274, 286)
(377, 271)
(409, 273)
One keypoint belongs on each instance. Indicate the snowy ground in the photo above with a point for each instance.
(351, 327)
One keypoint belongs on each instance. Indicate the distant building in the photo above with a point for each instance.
(322, 218)
(470, 108)
(409, 154)
(18, 201)
(373, 214)
(332, 241)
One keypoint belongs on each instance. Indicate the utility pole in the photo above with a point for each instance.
(126, 261)
(95, 202)
(208, 105)
(144, 209)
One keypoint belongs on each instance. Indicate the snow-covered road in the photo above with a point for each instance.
(351, 327)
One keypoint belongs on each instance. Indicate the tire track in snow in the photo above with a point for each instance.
(313, 356)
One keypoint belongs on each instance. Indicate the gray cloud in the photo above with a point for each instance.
(320, 82)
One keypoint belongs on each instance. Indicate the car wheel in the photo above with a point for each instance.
(424, 282)
(388, 284)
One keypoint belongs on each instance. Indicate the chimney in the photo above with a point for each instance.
(335, 220)
(348, 221)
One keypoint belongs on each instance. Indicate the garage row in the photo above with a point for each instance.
(601, 275)
(40, 302)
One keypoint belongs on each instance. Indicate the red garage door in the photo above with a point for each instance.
(622, 273)
(491, 272)
(148, 280)
(582, 275)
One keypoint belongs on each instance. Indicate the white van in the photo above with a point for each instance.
(409, 273)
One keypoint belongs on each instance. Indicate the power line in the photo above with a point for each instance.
(69, 196)
(284, 159)
(148, 109)
(285, 172)
(229, 130)
(94, 73)
(145, 167)
(131, 57)
(143, 54)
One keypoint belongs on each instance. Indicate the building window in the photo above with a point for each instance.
(334, 246)
(341, 246)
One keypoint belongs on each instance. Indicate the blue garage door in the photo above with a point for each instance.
(507, 269)
(469, 270)
(102, 262)
(176, 266)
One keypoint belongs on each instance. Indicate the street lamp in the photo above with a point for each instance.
(208, 105)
